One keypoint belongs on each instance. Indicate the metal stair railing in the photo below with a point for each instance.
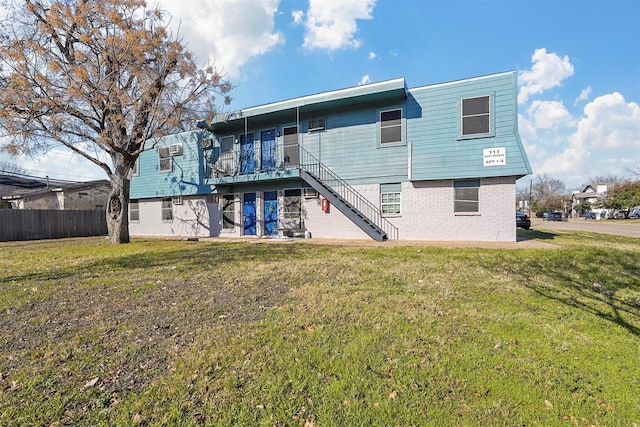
(310, 164)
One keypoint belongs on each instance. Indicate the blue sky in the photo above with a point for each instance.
(578, 65)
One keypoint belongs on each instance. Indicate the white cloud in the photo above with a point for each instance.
(609, 122)
(372, 55)
(298, 16)
(606, 141)
(548, 114)
(364, 80)
(548, 71)
(585, 94)
(331, 24)
(62, 163)
(229, 32)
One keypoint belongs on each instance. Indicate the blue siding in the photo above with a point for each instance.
(437, 151)
(187, 170)
(349, 145)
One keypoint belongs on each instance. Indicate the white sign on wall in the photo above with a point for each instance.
(494, 156)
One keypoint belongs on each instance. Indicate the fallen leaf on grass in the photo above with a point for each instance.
(91, 382)
(393, 395)
(548, 404)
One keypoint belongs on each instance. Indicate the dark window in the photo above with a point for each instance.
(390, 126)
(466, 196)
(134, 210)
(290, 146)
(476, 116)
(164, 159)
(167, 209)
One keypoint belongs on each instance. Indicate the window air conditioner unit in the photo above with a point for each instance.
(310, 193)
(206, 143)
(175, 150)
(316, 125)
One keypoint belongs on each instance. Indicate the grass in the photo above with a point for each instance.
(249, 334)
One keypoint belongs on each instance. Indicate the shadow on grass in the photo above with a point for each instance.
(535, 235)
(590, 280)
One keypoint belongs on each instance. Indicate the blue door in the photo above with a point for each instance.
(249, 212)
(247, 161)
(271, 213)
(268, 159)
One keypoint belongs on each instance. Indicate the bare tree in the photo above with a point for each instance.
(612, 181)
(544, 186)
(12, 168)
(99, 77)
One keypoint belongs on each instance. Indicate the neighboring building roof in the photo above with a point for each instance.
(15, 187)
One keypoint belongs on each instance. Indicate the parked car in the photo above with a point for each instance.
(590, 215)
(522, 220)
(557, 216)
(635, 213)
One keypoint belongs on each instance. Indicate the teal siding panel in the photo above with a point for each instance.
(186, 176)
(438, 151)
(349, 146)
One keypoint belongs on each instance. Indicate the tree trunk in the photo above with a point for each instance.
(118, 205)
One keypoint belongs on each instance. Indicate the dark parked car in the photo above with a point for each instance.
(557, 216)
(523, 221)
(590, 215)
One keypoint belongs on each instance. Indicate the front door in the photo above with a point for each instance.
(247, 161)
(271, 213)
(290, 146)
(268, 160)
(249, 213)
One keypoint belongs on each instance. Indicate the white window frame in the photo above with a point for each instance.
(391, 200)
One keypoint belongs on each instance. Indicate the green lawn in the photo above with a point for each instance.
(294, 334)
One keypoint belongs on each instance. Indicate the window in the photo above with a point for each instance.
(226, 144)
(177, 200)
(228, 211)
(476, 116)
(390, 199)
(134, 210)
(390, 126)
(465, 198)
(135, 171)
(164, 159)
(167, 210)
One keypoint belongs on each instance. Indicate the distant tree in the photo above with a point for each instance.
(551, 203)
(12, 168)
(99, 77)
(625, 197)
(544, 186)
(612, 181)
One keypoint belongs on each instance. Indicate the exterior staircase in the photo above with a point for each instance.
(345, 198)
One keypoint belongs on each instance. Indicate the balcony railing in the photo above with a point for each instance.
(239, 162)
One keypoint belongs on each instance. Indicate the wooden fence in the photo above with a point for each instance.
(18, 224)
